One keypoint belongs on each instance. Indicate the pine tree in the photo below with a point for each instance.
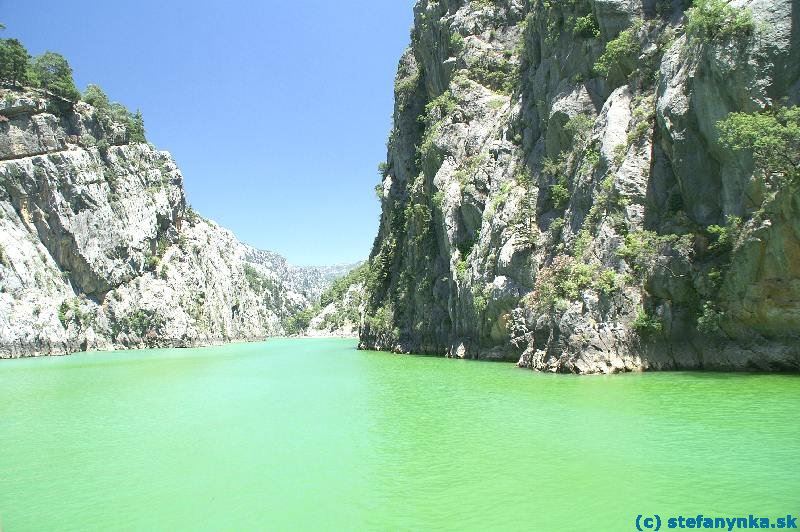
(13, 61)
(55, 75)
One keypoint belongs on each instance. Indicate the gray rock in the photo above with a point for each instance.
(496, 266)
(99, 251)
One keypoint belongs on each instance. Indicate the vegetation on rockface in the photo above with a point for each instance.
(561, 167)
(716, 20)
(110, 113)
(772, 136)
(621, 53)
(406, 84)
(560, 282)
(144, 324)
(52, 73)
(14, 59)
(49, 71)
(498, 74)
(647, 324)
(347, 295)
(272, 296)
(586, 26)
(436, 112)
(573, 205)
(72, 311)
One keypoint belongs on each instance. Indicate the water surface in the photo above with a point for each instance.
(310, 434)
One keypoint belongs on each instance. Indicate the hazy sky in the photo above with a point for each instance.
(277, 112)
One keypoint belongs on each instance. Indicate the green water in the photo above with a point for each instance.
(312, 434)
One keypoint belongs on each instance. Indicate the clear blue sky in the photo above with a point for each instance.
(277, 112)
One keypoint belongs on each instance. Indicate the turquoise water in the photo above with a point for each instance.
(311, 434)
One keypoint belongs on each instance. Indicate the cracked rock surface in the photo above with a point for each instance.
(538, 208)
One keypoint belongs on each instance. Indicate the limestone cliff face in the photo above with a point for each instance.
(556, 186)
(99, 250)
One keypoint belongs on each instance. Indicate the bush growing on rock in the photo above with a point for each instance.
(53, 74)
(620, 52)
(144, 323)
(456, 43)
(773, 137)
(647, 324)
(497, 74)
(110, 113)
(726, 235)
(716, 20)
(560, 282)
(96, 97)
(13, 61)
(103, 146)
(135, 127)
(436, 111)
(586, 27)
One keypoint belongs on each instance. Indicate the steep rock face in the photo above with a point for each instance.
(98, 249)
(554, 179)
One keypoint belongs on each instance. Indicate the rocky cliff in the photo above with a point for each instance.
(99, 250)
(557, 191)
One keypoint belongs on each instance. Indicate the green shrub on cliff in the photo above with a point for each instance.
(561, 281)
(13, 61)
(620, 52)
(436, 111)
(772, 136)
(726, 235)
(647, 324)
(586, 27)
(716, 20)
(96, 97)
(142, 323)
(559, 193)
(710, 319)
(135, 127)
(52, 72)
(382, 322)
(643, 249)
(71, 311)
(110, 113)
(497, 74)
(579, 128)
(456, 43)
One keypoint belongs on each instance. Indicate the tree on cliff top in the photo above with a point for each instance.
(53, 73)
(96, 97)
(13, 61)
